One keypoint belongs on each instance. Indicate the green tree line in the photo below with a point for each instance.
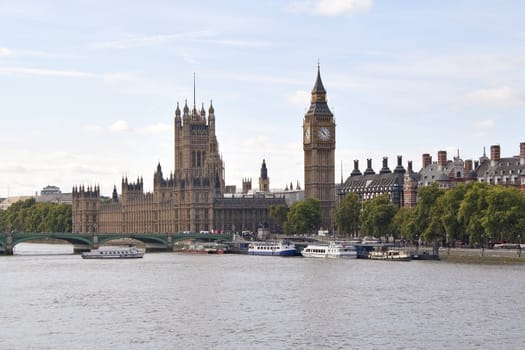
(29, 216)
(473, 213)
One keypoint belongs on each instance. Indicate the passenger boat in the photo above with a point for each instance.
(284, 248)
(203, 248)
(330, 250)
(130, 252)
(391, 254)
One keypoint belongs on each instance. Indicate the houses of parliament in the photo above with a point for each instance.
(194, 196)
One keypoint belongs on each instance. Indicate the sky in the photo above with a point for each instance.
(88, 89)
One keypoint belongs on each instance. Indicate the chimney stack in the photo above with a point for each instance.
(427, 160)
(468, 165)
(369, 170)
(494, 154)
(385, 169)
(522, 153)
(356, 171)
(442, 158)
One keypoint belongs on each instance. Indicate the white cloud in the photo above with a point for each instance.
(330, 7)
(300, 98)
(501, 97)
(157, 128)
(485, 124)
(46, 72)
(121, 126)
(4, 51)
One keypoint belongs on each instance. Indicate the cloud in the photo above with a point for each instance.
(485, 124)
(151, 40)
(157, 128)
(300, 98)
(46, 72)
(330, 7)
(121, 126)
(500, 97)
(139, 41)
(4, 51)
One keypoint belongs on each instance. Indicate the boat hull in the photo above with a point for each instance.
(284, 248)
(290, 252)
(389, 256)
(115, 253)
(333, 250)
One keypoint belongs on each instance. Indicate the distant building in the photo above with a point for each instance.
(53, 194)
(369, 184)
(49, 194)
(9, 201)
(403, 186)
(192, 198)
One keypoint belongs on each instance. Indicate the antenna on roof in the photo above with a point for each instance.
(341, 171)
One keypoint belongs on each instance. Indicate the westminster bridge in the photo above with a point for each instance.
(86, 241)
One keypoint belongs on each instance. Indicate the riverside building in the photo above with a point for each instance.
(191, 198)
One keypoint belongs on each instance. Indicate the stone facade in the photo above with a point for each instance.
(403, 185)
(319, 153)
(189, 199)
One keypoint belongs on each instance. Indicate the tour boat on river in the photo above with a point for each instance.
(130, 252)
(284, 248)
(203, 248)
(391, 254)
(329, 250)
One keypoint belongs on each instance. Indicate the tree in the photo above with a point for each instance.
(505, 213)
(404, 224)
(426, 217)
(472, 210)
(347, 214)
(377, 216)
(304, 216)
(449, 204)
(278, 214)
(29, 216)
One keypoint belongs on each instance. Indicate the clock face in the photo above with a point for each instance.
(324, 134)
(307, 134)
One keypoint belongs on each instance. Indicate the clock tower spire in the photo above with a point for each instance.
(319, 152)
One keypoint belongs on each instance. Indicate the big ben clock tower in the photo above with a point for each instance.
(319, 153)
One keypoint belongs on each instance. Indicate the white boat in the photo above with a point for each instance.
(284, 248)
(391, 254)
(130, 252)
(330, 250)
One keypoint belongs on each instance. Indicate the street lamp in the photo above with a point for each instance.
(482, 245)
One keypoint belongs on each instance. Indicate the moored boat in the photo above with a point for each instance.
(203, 248)
(129, 252)
(330, 250)
(283, 248)
(390, 254)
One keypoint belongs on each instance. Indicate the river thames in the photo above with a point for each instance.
(177, 301)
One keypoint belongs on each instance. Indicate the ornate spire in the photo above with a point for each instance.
(318, 105)
(318, 86)
(264, 171)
